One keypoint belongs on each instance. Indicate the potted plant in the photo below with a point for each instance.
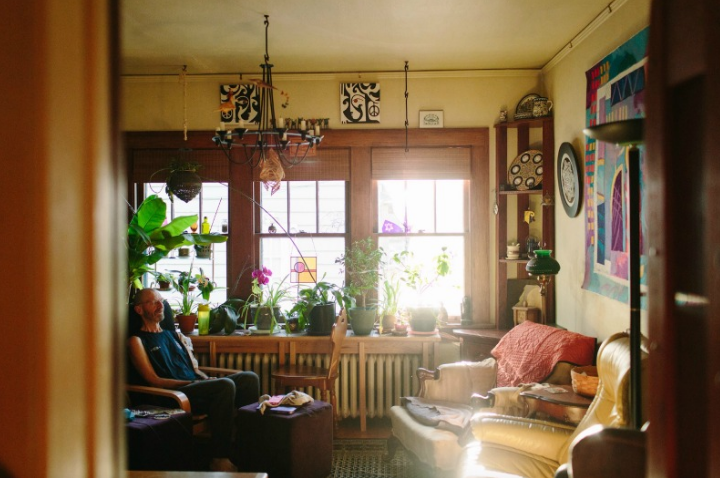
(164, 280)
(315, 307)
(263, 304)
(389, 303)
(420, 277)
(149, 239)
(187, 316)
(362, 262)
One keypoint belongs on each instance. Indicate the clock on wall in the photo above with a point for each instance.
(568, 178)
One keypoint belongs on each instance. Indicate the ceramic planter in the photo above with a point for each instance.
(262, 317)
(422, 319)
(187, 323)
(321, 320)
(362, 319)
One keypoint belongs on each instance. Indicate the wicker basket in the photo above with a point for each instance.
(585, 380)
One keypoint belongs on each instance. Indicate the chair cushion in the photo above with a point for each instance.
(458, 381)
(530, 352)
(432, 446)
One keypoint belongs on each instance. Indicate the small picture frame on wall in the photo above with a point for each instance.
(431, 119)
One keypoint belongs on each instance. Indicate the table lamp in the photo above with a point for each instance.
(630, 133)
(544, 268)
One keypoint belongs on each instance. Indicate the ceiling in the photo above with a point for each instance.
(332, 36)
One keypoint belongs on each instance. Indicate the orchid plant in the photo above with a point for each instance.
(265, 294)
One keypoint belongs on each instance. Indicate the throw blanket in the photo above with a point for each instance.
(530, 351)
(292, 399)
(450, 416)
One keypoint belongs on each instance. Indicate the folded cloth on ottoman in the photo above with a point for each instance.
(530, 351)
(292, 399)
(449, 416)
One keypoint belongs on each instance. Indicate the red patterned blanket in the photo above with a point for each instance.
(530, 351)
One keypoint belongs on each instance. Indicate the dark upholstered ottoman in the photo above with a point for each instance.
(287, 446)
(160, 444)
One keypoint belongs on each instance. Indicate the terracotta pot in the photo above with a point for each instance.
(388, 322)
(187, 323)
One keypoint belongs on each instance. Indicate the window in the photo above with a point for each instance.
(212, 202)
(313, 214)
(423, 216)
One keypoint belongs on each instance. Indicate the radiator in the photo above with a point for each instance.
(387, 377)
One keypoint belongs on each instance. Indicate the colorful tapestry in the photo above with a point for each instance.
(615, 91)
(359, 103)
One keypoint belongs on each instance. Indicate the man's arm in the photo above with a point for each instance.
(142, 364)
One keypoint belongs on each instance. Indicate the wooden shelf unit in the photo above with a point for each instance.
(546, 214)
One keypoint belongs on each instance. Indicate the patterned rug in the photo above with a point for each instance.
(364, 459)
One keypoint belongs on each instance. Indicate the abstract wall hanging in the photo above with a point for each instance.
(615, 91)
(359, 103)
(239, 102)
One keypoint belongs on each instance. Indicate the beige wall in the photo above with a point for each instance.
(578, 309)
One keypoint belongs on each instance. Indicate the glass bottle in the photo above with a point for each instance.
(205, 226)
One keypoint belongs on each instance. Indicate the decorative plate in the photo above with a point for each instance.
(524, 109)
(526, 171)
(568, 178)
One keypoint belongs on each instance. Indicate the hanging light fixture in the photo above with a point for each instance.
(271, 146)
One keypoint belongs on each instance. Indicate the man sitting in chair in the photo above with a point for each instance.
(162, 360)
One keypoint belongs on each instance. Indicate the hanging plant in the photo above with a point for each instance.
(183, 181)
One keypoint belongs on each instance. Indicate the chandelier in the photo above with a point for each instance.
(271, 146)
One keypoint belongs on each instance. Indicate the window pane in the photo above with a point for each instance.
(448, 290)
(420, 200)
(303, 206)
(276, 206)
(332, 206)
(276, 253)
(450, 206)
(214, 201)
(391, 206)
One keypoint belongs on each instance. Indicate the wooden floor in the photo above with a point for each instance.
(378, 428)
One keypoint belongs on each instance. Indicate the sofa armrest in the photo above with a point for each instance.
(456, 382)
(526, 435)
(600, 451)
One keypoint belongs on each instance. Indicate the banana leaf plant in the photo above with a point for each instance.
(149, 240)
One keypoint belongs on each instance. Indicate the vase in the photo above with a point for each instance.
(203, 315)
(362, 319)
(187, 323)
(422, 319)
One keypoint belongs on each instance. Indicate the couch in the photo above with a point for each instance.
(530, 352)
(509, 446)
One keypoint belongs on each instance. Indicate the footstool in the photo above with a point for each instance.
(160, 443)
(298, 445)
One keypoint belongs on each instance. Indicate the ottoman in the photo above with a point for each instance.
(160, 444)
(298, 445)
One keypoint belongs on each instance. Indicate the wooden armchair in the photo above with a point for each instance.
(174, 398)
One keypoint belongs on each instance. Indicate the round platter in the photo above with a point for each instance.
(526, 171)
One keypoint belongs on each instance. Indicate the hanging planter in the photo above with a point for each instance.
(184, 183)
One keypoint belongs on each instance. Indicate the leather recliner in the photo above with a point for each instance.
(511, 446)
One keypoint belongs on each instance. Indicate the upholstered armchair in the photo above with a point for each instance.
(510, 446)
(438, 447)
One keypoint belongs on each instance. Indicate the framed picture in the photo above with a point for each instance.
(431, 119)
(568, 178)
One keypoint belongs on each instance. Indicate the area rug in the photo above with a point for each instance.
(355, 458)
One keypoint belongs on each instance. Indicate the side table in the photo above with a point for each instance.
(565, 406)
(476, 344)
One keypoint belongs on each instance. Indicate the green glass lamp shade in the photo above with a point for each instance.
(542, 264)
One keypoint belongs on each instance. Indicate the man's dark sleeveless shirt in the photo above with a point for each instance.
(168, 357)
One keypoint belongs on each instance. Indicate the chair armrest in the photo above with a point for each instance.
(456, 382)
(526, 435)
(600, 451)
(180, 398)
(481, 401)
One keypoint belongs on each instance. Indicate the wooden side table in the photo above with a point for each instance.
(567, 406)
(476, 344)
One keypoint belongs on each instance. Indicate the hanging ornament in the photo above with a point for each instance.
(184, 184)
